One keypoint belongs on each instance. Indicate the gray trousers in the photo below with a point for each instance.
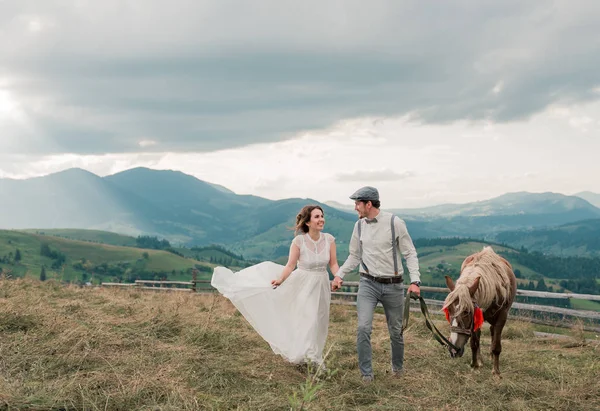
(391, 297)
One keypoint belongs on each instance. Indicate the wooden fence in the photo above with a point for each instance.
(535, 313)
(184, 286)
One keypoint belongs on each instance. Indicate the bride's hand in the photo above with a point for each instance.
(276, 283)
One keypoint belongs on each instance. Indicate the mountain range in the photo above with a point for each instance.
(167, 204)
(508, 212)
(189, 211)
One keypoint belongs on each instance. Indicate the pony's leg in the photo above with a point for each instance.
(492, 335)
(496, 341)
(475, 350)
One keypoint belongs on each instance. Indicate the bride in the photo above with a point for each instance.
(288, 307)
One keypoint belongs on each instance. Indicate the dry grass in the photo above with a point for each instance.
(103, 349)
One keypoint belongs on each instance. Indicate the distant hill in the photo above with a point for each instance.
(592, 198)
(579, 238)
(192, 212)
(199, 213)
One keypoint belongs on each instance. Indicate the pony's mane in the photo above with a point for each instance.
(494, 281)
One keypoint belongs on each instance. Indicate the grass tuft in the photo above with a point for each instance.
(15, 322)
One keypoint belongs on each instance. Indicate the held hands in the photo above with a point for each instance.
(336, 284)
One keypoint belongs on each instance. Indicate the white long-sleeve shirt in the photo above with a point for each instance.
(376, 238)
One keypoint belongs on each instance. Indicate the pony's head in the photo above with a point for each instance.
(463, 314)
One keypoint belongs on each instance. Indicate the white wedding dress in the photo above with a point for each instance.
(294, 317)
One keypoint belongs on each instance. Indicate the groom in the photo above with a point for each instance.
(377, 241)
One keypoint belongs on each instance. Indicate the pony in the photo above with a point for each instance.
(485, 290)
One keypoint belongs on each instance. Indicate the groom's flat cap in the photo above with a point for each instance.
(366, 194)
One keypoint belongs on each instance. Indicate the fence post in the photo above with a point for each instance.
(194, 278)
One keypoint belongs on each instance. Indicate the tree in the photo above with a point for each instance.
(541, 285)
(45, 250)
(146, 256)
(17, 255)
(152, 242)
(518, 273)
(43, 273)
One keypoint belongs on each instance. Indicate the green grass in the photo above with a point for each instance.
(80, 348)
(585, 304)
(30, 244)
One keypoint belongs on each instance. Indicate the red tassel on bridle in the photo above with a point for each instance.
(477, 317)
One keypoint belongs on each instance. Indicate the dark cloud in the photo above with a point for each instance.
(201, 76)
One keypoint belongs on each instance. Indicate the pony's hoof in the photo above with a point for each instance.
(477, 364)
(496, 374)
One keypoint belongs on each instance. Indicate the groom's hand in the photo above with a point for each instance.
(336, 284)
(414, 289)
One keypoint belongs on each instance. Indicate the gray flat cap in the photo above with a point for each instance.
(366, 194)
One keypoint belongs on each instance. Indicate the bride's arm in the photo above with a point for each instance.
(290, 266)
(333, 262)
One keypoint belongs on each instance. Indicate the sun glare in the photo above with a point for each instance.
(9, 108)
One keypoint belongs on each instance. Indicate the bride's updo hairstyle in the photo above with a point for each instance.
(303, 217)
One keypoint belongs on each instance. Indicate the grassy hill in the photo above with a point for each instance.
(93, 236)
(573, 239)
(94, 348)
(450, 258)
(84, 260)
(89, 260)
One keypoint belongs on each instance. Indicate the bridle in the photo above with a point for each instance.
(462, 329)
(428, 322)
(476, 321)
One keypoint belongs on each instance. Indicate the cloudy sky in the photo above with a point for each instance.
(430, 101)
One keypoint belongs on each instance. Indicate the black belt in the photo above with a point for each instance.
(383, 280)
